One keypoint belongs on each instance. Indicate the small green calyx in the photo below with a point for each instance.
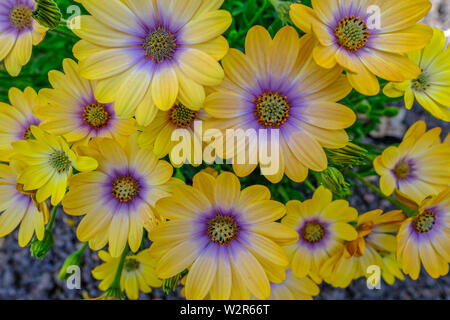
(40, 248)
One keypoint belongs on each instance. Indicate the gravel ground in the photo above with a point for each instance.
(23, 277)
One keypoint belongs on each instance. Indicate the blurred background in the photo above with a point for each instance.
(383, 124)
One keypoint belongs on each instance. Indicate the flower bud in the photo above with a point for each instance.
(73, 260)
(333, 179)
(282, 8)
(349, 156)
(47, 13)
(39, 248)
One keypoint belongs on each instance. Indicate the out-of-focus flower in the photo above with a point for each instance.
(293, 288)
(291, 96)
(20, 207)
(50, 163)
(391, 269)
(18, 33)
(411, 167)
(227, 238)
(432, 87)
(17, 119)
(138, 273)
(118, 198)
(375, 236)
(323, 226)
(352, 35)
(149, 54)
(425, 238)
(72, 111)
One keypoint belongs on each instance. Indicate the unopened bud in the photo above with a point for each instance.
(73, 260)
(349, 156)
(282, 8)
(333, 179)
(47, 13)
(39, 248)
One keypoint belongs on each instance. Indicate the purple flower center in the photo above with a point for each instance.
(272, 109)
(223, 229)
(352, 33)
(20, 17)
(160, 45)
(125, 188)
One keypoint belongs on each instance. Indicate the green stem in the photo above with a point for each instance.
(52, 218)
(116, 283)
(409, 212)
(310, 185)
(85, 245)
(64, 33)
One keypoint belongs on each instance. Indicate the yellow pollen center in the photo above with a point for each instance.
(222, 229)
(96, 115)
(272, 109)
(181, 116)
(125, 188)
(20, 17)
(60, 161)
(352, 33)
(402, 170)
(131, 264)
(160, 45)
(313, 232)
(421, 83)
(424, 222)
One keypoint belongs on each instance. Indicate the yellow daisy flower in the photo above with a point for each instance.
(18, 33)
(50, 163)
(366, 37)
(227, 238)
(117, 199)
(323, 225)
(432, 87)
(169, 48)
(73, 111)
(138, 273)
(291, 96)
(391, 269)
(293, 288)
(17, 119)
(424, 238)
(158, 135)
(374, 236)
(411, 167)
(20, 207)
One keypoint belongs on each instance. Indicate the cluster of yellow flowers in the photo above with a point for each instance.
(94, 143)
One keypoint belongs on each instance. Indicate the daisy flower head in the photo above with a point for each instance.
(366, 37)
(138, 273)
(432, 87)
(19, 207)
(375, 236)
(424, 238)
(289, 96)
(169, 48)
(117, 199)
(73, 111)
(411, 167)
(16, 119)
(227, 238)
(158, 135)
(294, 288)
(18, 33)
(50, 163)
(323, 226)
